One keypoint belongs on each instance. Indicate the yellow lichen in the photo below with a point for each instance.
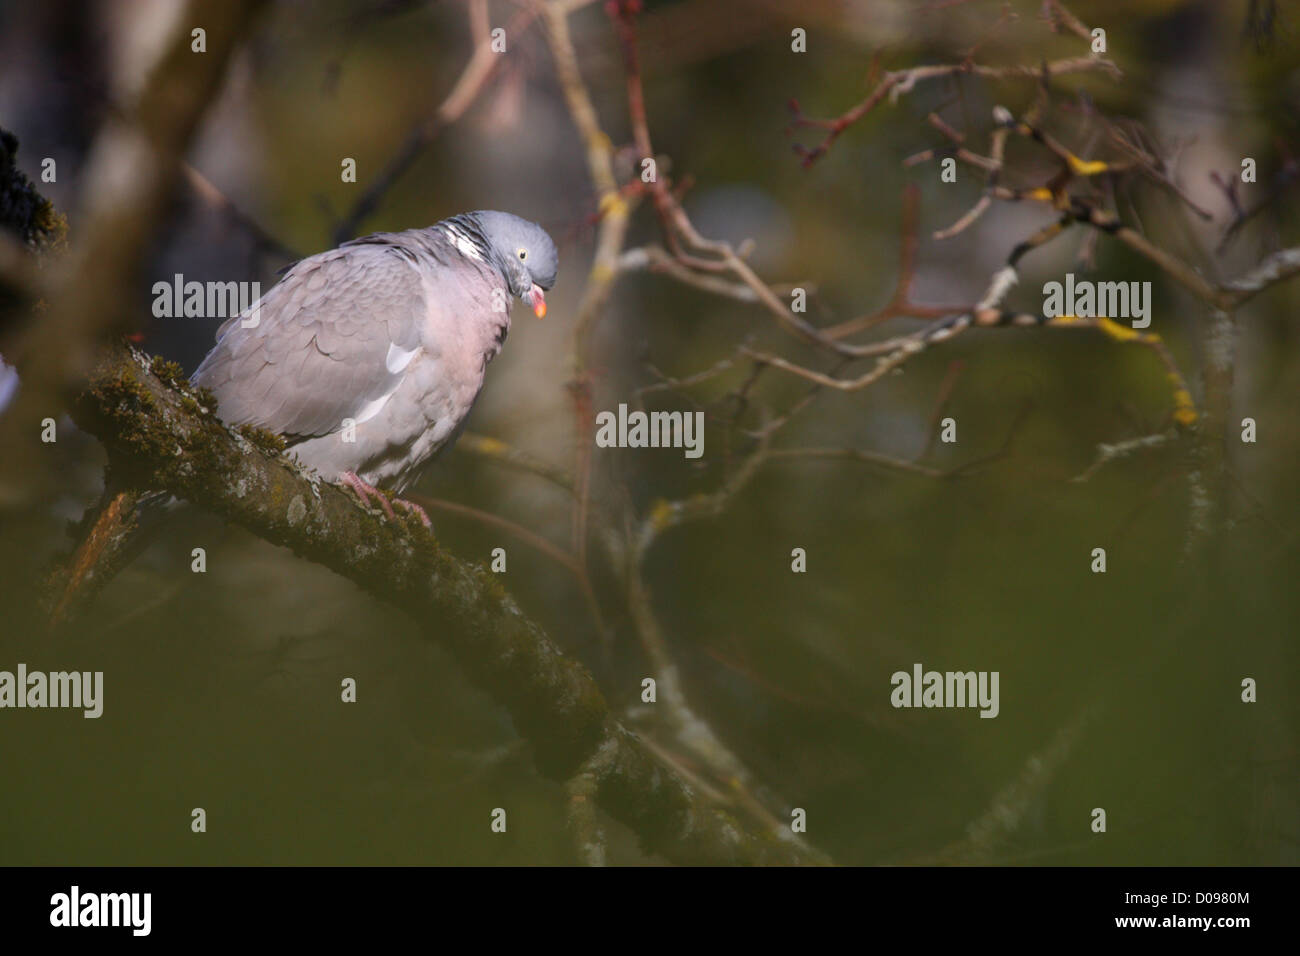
(269, 442)
(1087, 167)
(661, 514)
(1184, 408)
(612, 204)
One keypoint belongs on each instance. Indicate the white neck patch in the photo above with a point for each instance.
(462, 243)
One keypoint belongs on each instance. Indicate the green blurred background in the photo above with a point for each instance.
(1118, 690)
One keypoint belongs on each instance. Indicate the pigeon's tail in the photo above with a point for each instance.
(113, 533)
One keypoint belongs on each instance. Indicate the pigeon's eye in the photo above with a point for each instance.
(523, 254)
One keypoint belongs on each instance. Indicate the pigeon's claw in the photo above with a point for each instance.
(414, 509)
(365, 490)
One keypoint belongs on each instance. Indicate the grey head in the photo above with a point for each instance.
(521, 249)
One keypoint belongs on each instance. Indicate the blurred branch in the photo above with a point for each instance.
(666, 514)
(1008, 809)
(899, 82)
(584, 825)
(482, 65)
(900, 303)
(1282, 182)
(214, 198)
(1059, 18)
(667, 383)
(614, 206)
(529, 537)
(1276, 268)
(614, 212)
(657, 260)
(1107, 453)
(495, 450)
(129, 179)
(689, 730)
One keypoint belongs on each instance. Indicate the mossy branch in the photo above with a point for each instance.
(161, 435)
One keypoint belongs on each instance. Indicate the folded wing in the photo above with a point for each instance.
(331, 341)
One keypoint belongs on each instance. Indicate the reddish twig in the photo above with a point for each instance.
(897, 83)
(529, 537)
(900, 303)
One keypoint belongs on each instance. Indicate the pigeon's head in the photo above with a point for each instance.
(523, 252)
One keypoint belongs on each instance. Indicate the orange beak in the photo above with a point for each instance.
(538, 301)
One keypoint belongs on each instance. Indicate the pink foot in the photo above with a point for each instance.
(413, 508)
(364, 490)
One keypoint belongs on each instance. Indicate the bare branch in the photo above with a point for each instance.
(895, 84)
(91, 287)
(1278, 267)
(1107, 453)
(473, 79)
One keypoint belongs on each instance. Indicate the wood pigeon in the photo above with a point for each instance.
(368, 358)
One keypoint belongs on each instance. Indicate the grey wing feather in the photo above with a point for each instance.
(319, 352)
